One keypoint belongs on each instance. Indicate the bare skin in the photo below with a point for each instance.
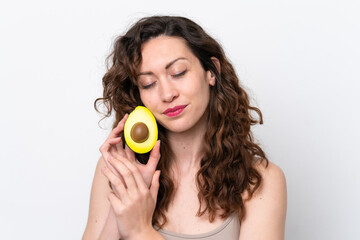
(102, 221)
(266, 210)
(160, 89)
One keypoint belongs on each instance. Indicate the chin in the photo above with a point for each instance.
(176, 127)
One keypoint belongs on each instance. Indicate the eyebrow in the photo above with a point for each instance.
(166, 67)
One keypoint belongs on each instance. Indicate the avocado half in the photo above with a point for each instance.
(140, 130)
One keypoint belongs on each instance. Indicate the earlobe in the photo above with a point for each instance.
(212, 79)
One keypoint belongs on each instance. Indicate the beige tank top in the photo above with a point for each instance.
(229, 230)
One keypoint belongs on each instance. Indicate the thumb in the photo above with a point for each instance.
(154, 188)
(154, 156)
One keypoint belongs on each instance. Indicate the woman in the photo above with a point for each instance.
(211, 177)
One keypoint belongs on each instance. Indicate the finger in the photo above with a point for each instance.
(117, 174)
(119, 148)
(108, 148)
(106, 152)
(104, 149)
(116, 132)
(126, 173)
(119, 128)
(113, 170)
(136, 174)
(154, 188)
(116, 149)
(116, 183)
(113, 138)
(108, 165)
(117, 152)
(154, 156)
(129, 153)
(116, 203)
(114, 189)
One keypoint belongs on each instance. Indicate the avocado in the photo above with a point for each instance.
(140, 130)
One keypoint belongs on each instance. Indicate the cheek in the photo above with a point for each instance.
(198, 87)
(147, 99)
(144, 99)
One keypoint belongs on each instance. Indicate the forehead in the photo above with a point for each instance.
(158, 52)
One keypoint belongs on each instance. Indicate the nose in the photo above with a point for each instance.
(168, 92)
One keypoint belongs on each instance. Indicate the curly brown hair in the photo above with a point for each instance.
(227, 168)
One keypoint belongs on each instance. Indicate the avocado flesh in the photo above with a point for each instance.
(136, 138)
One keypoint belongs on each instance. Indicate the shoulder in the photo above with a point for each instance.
(273, 181)
(266, 209)
(273, 177)
(100, 185)
(99, 205)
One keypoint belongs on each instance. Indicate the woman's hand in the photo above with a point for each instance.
(135, 203)
(112, 148)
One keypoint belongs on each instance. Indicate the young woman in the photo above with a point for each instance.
(205, 178)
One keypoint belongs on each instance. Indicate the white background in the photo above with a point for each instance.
(298, 59)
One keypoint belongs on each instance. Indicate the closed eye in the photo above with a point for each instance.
(148, 86)
(179, 74)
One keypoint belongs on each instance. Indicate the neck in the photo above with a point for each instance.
(187, 148)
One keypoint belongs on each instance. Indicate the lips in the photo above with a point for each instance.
(175, 111)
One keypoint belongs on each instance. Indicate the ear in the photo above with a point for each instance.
(211, 77)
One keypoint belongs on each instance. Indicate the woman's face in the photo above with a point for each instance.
(172, 83)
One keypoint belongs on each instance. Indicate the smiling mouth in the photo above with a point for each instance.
(175, 111)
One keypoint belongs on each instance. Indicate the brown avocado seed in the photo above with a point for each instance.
(139, 132)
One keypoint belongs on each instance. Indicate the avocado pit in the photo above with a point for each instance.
(139, 132)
